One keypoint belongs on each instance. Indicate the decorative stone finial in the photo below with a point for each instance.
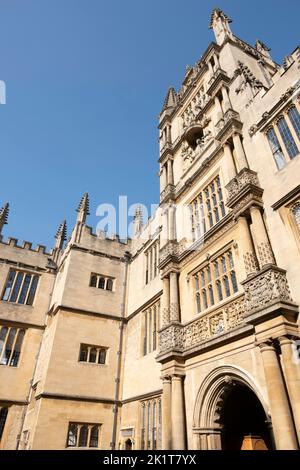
(138, 220)
(61, 235)
(83, 208)
(262, 48)
(170, 100)
(220, 24)
(4, 215)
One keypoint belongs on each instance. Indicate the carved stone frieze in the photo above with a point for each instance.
(171, 249)
(181, 337)
(244, 178)
(265, 288)
(251, 264)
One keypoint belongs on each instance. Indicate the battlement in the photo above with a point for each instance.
(13, 242)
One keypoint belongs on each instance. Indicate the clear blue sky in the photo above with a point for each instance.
(85, 82)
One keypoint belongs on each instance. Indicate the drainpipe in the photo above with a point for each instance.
(127, 258)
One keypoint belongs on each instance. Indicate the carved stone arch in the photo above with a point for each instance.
(212, 395)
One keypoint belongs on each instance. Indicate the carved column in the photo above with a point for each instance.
(165, 302)
(170, 172)
(226, 100)
(241, 160)
(229, 166)
(245, 241)
(178, 414)
(261, 240)
(166, 414)
(291, 367)
(283, 426)
(219, 110)
(172, 221)
(174, 297)
(164, 177)
(165, 225)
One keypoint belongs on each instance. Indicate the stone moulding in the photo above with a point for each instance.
(228, 124)
(168, 193)
(244, 191)
(178, 338)
(265, 288)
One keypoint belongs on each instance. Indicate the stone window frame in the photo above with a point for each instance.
(282, 144)
(99, 280)
(207, 280)
(79, 426)
(99, 352)
(151, 261)
(150, 327)
(11, 340)
(151, 423)
(207, 207)
(20, 287)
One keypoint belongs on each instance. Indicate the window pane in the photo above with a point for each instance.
(230, 258)
(219, 289)
(233, 281)
(94, 436)
(32, 290)
(8, 347)
(17, 286)
(101, 284)
(149, 427)
(17, 349)
(93, 282)
(25, 288)
(198, 302)
(216, 264)
(72, 435)
(226, 285)
(295, 119)
(287, 138)
(83, 435)
(211, 295)
(204, 297)
(276, 149)
(102, 356)
(3, 416)
(83, 353)
(296, 213)
(93, 355)
(9, 284)
(3, 333)
(109, 284)
(223, 261)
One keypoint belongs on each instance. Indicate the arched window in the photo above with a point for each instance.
(17, 349)
(276, 149)
(93, 355)
(83, 353)
(94, 436)
(3, 333)
(287, 138)
(83, 436)
(296, 213)
(109, 284)
(102, 356)
(8, 346)
(219, 289)
(295, 119)
(93, 282)
(72, 435)
(101, 283)
(211, 295)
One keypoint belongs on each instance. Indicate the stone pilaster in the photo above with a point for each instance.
(166, 414)
(174, 298)
(165, 302)
(283, 426)
(178, 414)
(291, 367)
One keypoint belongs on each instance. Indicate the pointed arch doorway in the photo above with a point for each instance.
(230, 413)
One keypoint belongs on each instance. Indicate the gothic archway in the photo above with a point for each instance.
(230, 412)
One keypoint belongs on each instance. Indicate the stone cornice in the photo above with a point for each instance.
(21, 324)
(97, 253)
(286, 198)
(268, 116)
(63, 396)
(145, 305)
(66, 308)
(144, 396)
